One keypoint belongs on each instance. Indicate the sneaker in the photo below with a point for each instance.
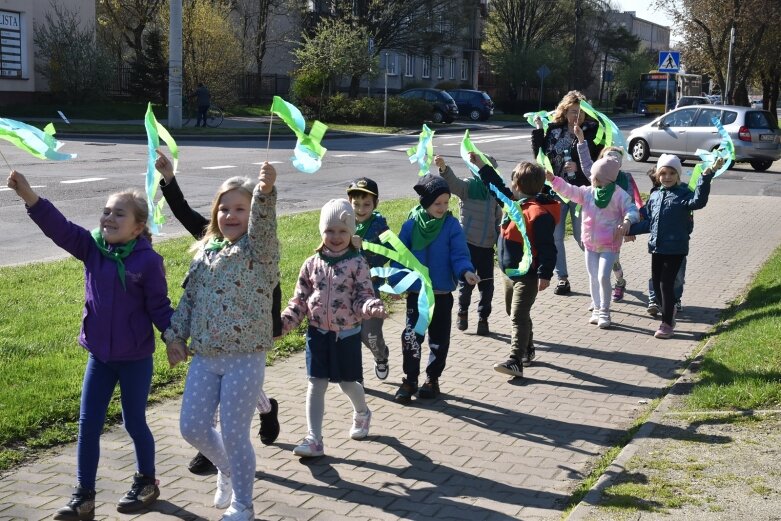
(678, 306)
(665, 331)
(81, 506)
(238, 512)
(591, 307)
(604, 320)
(618, 292)
(361, 423)
(511, 367)
(482, 327)
(381, 369)
(430, 389)
(594, 317)
(224, 493)
(562, 288)
(200, 464)
(142, 493)
(530, 355)
(405, 392)
(269, 424)
(463, 323)
(653, 309)
(309, 448)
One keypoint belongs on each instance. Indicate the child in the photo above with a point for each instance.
(436, 239)
(225, 311)
(125, 293)
(540, 213)
(607, 211)
(334, 292)
(668, 223)
(363, 195)
(479, 217)
(197, 225)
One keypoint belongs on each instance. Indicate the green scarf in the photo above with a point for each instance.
(477, 190)
(426, 228)
(116, 254)
(603, 194)
(216, 244)
(350, 253)
(362, 228)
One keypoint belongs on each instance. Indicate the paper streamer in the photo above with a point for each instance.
(544, 161)
(544, 115)
(468, 147)
(423, 152)
(36, 142)
(308, 152)
(154, 133)
(63, 117)
(513, 210)
(607, 132)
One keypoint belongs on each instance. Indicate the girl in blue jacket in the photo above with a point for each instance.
(669, 210)
(125, 294)
(437, 240)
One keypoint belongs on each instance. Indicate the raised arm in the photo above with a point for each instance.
(192, 221)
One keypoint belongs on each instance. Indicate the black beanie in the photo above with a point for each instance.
(429, 187)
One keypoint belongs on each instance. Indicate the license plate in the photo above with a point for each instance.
(767, 137)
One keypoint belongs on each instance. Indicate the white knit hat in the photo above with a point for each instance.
(337, 211)
(671, 161)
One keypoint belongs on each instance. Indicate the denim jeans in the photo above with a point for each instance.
(558, 237)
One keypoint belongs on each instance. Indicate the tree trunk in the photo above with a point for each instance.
(355, 86)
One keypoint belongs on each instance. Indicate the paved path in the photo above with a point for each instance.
(490, 448)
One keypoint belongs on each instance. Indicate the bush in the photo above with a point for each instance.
(367, 111)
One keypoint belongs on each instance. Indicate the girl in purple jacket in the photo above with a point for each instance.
(125, 294)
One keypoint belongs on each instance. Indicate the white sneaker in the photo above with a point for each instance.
(594, 317)
(361, 425)
(224, 493)
(381, 369)
(604, 320)
(238, 512)
(309, 448)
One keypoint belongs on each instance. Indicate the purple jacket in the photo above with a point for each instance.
(116, 324)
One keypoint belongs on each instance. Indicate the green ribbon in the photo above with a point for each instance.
(476, 188)
(308, 153)
(543, 160)
(154, 132)
(514, 212)
(216, 244)
(607, 131)
(117, 254)
(423, 152)
(544, 115)
(36, 142)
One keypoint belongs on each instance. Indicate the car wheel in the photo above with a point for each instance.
(475, 115)
(760, 165)
(438, 117)
(449, 120)
(639, 150)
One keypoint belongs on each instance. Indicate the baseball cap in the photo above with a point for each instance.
(364, 184)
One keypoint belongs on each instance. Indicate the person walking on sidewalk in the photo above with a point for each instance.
(225, 312)
(479, 217)
(334, 292)
(203, 99)
(196, 225)
(125, 294)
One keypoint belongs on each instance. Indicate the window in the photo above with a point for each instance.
(729, 117)
(441, 67)
(704, 119)
(391, 64)
(465, 69)
(427, 67)
(409, 65)
(452, 68)
(679, 118)
(758, 120)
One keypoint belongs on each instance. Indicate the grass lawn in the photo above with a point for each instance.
(42, 365)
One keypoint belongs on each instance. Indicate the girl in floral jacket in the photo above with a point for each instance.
(334, 292)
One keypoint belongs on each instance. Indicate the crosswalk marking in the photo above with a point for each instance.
(220, 167)
(85, 180)
(344, 155)
(6, 189)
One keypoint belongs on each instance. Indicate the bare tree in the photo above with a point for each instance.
(132, 18)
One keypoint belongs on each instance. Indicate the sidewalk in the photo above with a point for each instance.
(490, 448)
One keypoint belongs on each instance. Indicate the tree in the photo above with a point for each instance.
(149, 79)
(68, 56)
(131, 17)
(618, 43)
(627, 74)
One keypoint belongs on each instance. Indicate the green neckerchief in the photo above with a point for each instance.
(603, 194)
(116, 254)
(477, 190)
(333, 260)
(216, 244)
(362, 228)
(426, 227)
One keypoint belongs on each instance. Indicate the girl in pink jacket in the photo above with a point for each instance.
(607, 211)
(334, 292)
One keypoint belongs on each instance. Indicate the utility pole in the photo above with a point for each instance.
(175, 65)
(573, 78)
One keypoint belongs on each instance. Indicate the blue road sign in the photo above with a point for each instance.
(669, 61)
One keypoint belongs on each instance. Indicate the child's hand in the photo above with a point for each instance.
(376, 309)
(549, 176)
(475, 160)
(440, 162)
(164, 166)
(538, 121)
(542, 284)
(19, 184)
(267, 177)
(578, 133)
(357, 242)
(714, 167)
(177, 352)
(621, 230)
(630, 238)
(471, 278)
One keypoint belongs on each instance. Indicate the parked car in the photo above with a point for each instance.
(692, 100)
(715, 99)
(755, 134)
(475, 104)
(756, 104)
(443, 108)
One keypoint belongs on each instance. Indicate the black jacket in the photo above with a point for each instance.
(559, 140)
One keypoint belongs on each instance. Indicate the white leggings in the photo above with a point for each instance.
(315, 402)
(232, 381)
(599, 266)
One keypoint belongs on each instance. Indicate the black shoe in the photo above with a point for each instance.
(142, 493)
(562, 288)
(430, 389)
(200, 464)
(482, 327)
(511, 367)
(463, 323)
(81, 506)
(530, 355)
(269, 424)
(405, 392)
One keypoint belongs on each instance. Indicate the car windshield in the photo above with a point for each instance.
(758, 119)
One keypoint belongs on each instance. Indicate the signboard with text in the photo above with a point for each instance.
(10, 45)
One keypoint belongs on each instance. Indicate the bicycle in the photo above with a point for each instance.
(214, 115)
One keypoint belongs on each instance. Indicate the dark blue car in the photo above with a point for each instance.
(474, 104)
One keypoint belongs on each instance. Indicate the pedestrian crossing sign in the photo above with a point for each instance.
(669, 61)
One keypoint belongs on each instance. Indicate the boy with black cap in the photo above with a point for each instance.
(437, 240)
(363, 195)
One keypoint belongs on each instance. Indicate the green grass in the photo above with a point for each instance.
(42, 365)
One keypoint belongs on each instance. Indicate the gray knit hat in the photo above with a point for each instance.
(337, 211)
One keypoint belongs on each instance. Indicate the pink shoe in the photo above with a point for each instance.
(618, 293)
(664, 331)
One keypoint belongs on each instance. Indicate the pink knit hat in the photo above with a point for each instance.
(605, 170)
(671, 161)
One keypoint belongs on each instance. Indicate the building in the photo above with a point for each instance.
(19, 79)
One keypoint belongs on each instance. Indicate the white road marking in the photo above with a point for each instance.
(507, 138)
(376, 151)
(85, 180)
(220, 167)
(344, 155)
(6, 189)
(270, 162)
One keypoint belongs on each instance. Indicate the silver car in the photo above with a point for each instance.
(682, 131)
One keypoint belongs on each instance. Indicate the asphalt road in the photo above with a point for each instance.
(81, 186)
